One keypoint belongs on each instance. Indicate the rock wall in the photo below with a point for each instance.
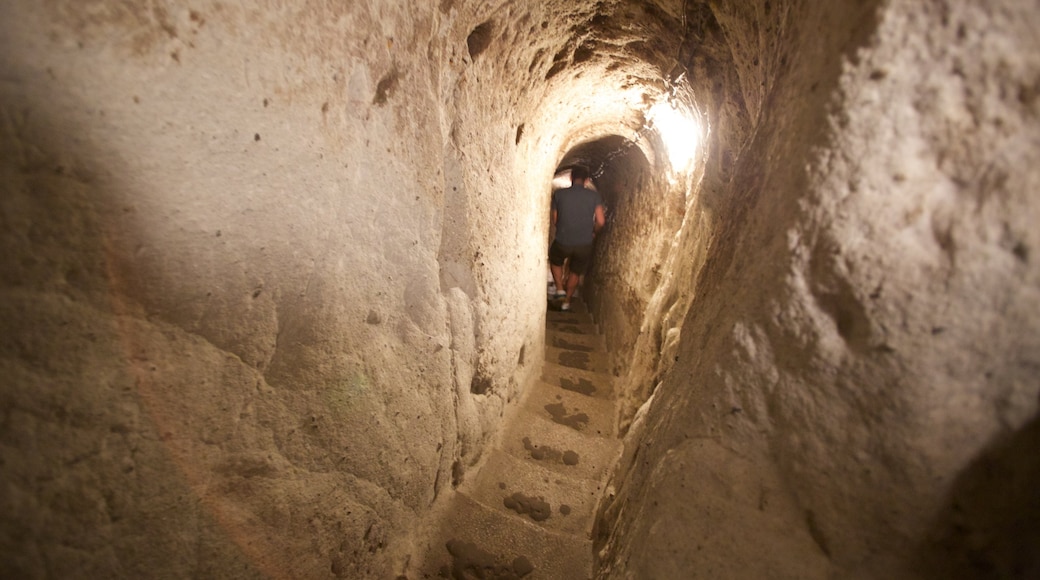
(857, 368)
(255, 321)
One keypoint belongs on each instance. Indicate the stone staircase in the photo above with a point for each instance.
(529, 510)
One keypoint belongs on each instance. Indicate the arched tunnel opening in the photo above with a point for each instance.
(274, 290)
(645, 210)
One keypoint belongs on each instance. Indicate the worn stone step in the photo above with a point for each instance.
(534, 437)
(485, 539)
(588, 361)
(589, 383)
(545, 497)
(588, 415)
(577, 305)
(571, 327)
(556, 316)
(575, 341)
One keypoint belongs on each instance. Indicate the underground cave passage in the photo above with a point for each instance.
(529, 506)
(273, 289)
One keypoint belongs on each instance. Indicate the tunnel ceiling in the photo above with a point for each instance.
(588, 70)
(597, 153)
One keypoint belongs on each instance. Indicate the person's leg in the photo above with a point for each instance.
(572, 285)
(579, 261)
(556, 259)
(559, 266)
(557, 274)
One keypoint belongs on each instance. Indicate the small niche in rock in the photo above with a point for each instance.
(456, 473)
(480, 38)
(480, 385)
(584, 53)
(555, 69)
(386, 87)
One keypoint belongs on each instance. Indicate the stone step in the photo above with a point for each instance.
(489, 543)
(577, 305)
(571, 327)
(575, 341)
(588, 361)
(534, 437)
(526, 489)
(556, 316)
(589, 383)
(588, 415)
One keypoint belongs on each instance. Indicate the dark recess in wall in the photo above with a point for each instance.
(990, 527)
(480, 38)
(386, 87)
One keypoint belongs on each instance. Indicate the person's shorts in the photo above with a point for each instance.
(579, 256)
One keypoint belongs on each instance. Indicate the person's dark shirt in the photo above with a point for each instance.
(575, 214)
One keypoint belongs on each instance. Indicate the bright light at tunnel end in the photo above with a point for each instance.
(679, 131)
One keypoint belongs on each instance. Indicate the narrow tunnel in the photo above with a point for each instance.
(273, 282)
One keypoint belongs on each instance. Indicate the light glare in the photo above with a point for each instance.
(679, 132)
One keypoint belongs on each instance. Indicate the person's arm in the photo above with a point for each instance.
(552, 206)
(599, 220)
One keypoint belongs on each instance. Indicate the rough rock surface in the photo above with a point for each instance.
(272, 272)
(866, 316)
(254, 321)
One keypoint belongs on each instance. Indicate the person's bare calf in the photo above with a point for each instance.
(558, 277)
(572, 285)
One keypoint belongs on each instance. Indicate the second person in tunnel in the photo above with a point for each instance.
(577, 214)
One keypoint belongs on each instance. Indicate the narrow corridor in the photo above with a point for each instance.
(529, 510)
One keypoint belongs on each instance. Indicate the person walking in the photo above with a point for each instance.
(577, 214)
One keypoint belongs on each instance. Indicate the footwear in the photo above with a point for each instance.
(565, 306)
(561, 293)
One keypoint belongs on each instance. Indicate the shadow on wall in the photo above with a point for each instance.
(98, 475)
(180, 372)
(124, 436)
(990, 527)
